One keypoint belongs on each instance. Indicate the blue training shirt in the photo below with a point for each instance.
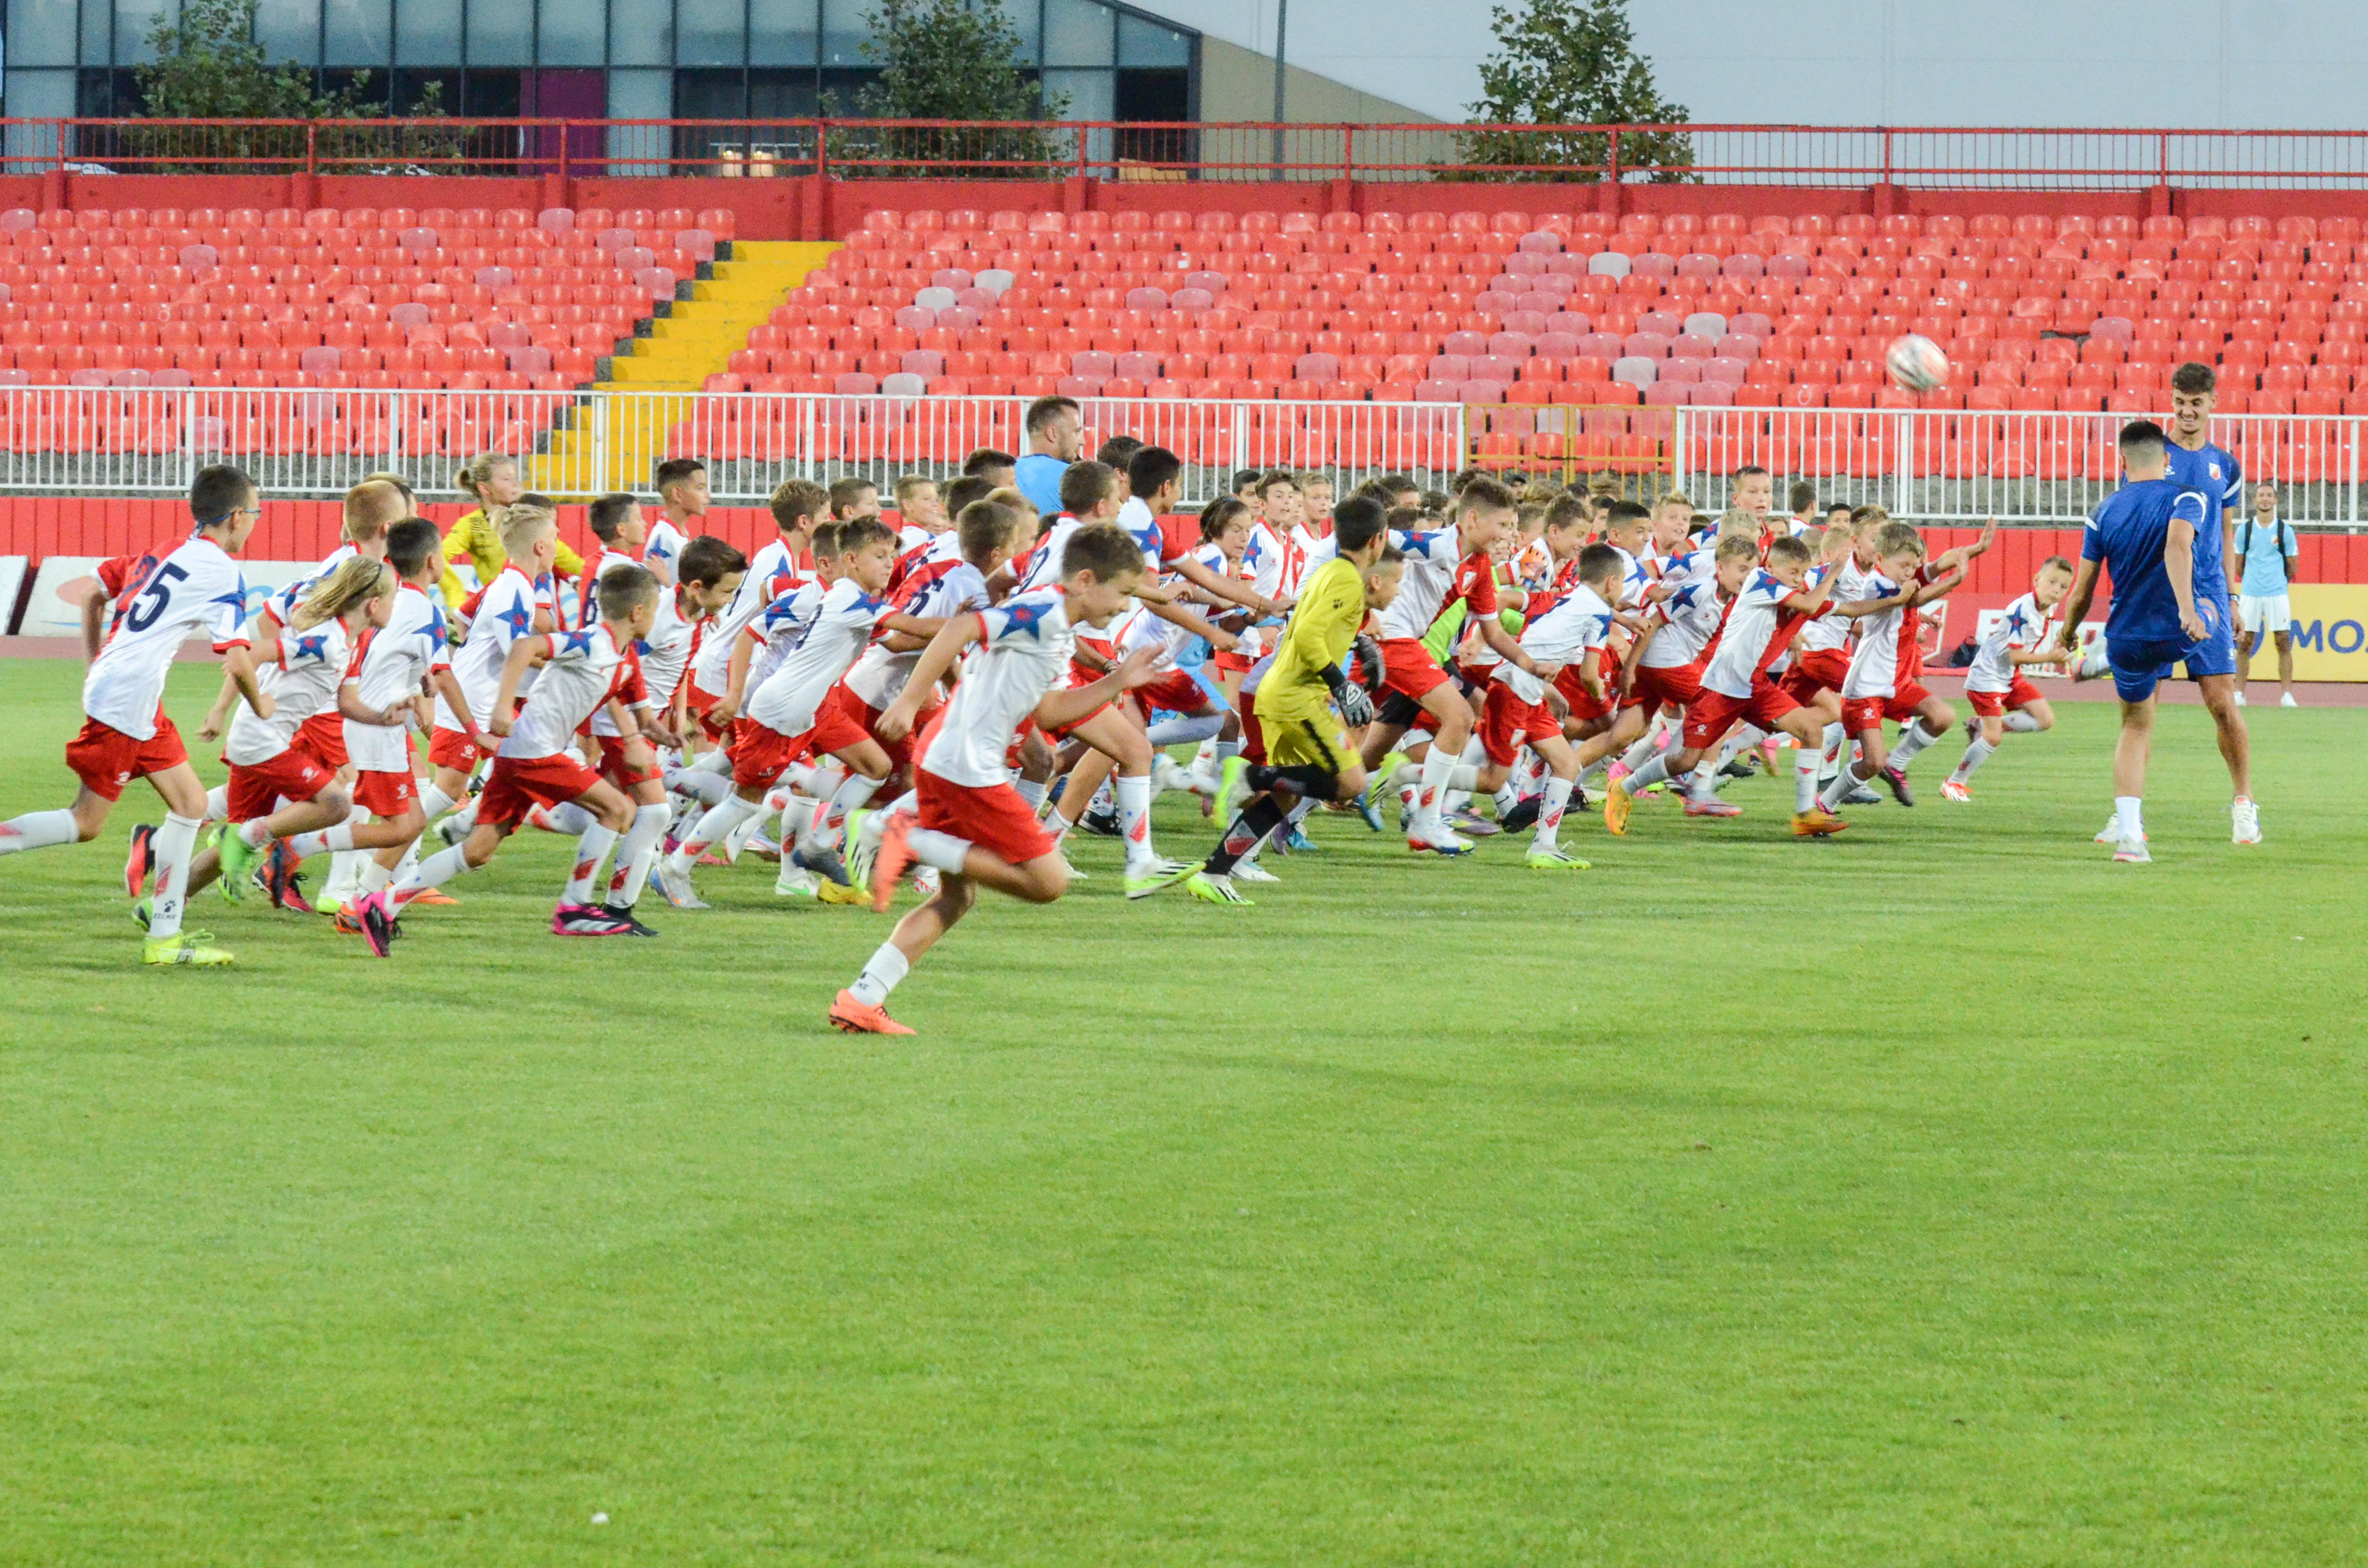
(2213, 472)
(2127, 534)
(1038, 477)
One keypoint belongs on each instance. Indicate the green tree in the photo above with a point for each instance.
(950, 60)
(208, 66)
(1571, 63)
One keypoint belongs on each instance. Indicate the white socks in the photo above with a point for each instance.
(218, 803)
(173, 847)
(720, 820)
(37, 830)
(434, 872)
(702, 785)
(569, 818)
(637, 854)
(1557, 800)
(2125, 812)
(2021, 724)
(1978, 752)
(852, 795)
(435, 802)
(1436, 775)
(1655, 770)
(304, 844)
(1134, 819)
(1805, 763)
(881, 974)
(942, 850)
(1175, 731)
(1912, 739)
(591, 849)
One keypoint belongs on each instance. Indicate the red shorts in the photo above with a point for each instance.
(1233, 663)
(450, 748)
(1582, 707)
(1997, 704)
(902, 751)
(699, 702)
(1863, 714)
(387, 794)
(1253, 733)
(105, 759)
(1814, 670)
(1505, 721)
(618, 770)
(1657, 687)
(517, 784)
(1175, 691)
(323, 735)
(1713, 712)
(1062, 732)
(256, 787)
(994, 817)
(1408, 669)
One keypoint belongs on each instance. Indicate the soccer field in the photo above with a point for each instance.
(1945, 1194)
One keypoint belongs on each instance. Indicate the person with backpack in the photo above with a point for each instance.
(2264, 550)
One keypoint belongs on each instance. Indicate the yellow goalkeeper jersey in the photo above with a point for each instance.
(1331, 608)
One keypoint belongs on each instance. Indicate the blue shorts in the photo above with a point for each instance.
(2216, 655)
(2140, 666)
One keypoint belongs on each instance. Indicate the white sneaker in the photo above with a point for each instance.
(2132, 852)
(796, 881)
(2247, 822)
(2287, 701)
(1251, 871)
(2111, 833)
(2240, 699)
(1166, 775)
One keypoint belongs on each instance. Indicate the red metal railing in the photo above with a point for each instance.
(2036, 158)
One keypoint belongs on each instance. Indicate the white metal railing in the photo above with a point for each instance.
(1940, 465)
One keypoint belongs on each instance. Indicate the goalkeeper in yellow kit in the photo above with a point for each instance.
(1305, 701)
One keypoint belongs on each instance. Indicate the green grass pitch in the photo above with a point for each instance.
(1946, 1195)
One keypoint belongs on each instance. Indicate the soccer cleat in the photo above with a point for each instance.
(1099, 821)
(821, 859)
(1954, 789)
(376, 923)
(1712, 807)
(1617, 771)
(451, 830)
(1816, 823)
(1298, 843)
(851, 1017)
(843, 894)
(432, 897)
(796, 881)
(896, 853)
(624, 916)
(1617, 804)
(2132, 852)
(1251, 871)
(1896, 783)
(1554, 857)
(675, 887)
(142, 910)
(1472, 823)
(1166, 775)
(238, 860)
(860, 848)
(1438, 839)
(538, 817)
(140, 860)
(762, 847)
(1230, 783)
(2094, 663)
(1160, 873)
(2247, 822)
(1861, 795)
(1369, 808)
(587, 920)
(2288, 701)
(282, 884)
(1210, 887)
(1523, 815)
(193, 948)
(1073, 873)
(1973, 728)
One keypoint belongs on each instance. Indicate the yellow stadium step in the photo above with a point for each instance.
(619, 442)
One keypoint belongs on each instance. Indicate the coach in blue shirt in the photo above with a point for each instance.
(1056, 437)
(2262, 555)
(2145, 538)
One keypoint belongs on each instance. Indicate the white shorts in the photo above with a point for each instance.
(2270, 612)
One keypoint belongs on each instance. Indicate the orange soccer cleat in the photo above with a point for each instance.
(851, 1017)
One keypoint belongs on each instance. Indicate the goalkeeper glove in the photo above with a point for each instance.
(1356, 707)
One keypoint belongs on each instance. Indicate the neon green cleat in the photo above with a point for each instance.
(238, 859)
(143, 911)
(187, 948)
(1162, 874)
(1229, 786)
(1210, 888)
(1554, 857)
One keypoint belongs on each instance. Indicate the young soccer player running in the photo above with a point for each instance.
(2144, 538)
(580, 672)
(2001, 697)
(616, 521)
(1760, 622)
(683, 499)
(125, 733)
(971, 826)
(1881, 683)
(1566, 636)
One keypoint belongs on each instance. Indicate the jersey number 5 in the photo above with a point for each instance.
(154, 596)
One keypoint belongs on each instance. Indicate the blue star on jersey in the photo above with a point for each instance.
(314, 646)
(576, 642)
(518, 617)
(1027, 617)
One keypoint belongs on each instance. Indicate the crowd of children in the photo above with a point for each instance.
(945, 701)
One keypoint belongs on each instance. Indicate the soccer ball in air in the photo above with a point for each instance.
(1915, 363)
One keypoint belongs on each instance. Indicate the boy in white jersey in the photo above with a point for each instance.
(517, 603)
(709, 573)
(922, 511)
(1881, 683)
(1759, 623)
(1567, 634)
(126, 734)
(797, 506)
(796, 713)
(621, 534)
(581, 672)
(970, 823)
(278, 788)
(681, 484)
(1995, 689)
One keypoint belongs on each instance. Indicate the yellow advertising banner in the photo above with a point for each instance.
(2330, 635)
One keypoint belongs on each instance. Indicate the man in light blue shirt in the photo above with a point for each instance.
(2262, 552)
(1056, 437)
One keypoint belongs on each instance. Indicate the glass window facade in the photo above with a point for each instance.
(724, 59)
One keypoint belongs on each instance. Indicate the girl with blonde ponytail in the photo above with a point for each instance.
(493, 482)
